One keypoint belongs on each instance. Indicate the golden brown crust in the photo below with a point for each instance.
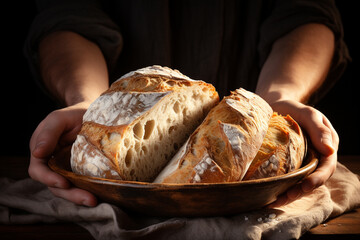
(282, 150)
(157, 79)
(149, 83)
(99, 136)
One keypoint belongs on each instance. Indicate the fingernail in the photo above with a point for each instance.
(282, 200)
(307, 187)
(87, 202)
(39, 145)
(327, 142)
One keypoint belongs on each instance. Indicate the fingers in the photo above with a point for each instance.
(318, 127)
(325, 140)
(321, 132)
(59, 128)
(75, 195)
(324, 171)
(46, 136)
(327, 166)
(280, 201)
(334, 134)
(42, 144)
(39, 171)
(58, 185)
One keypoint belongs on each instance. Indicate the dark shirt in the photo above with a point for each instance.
(221, 42)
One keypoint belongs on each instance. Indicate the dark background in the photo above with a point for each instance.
(24, 105)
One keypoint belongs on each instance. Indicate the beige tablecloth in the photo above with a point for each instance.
(27, 201)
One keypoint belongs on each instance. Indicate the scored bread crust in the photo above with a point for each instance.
(133, 129)
(282, 150)
(223, 146)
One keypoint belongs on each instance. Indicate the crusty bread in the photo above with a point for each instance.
(133, 129)
(282, 150)
(222, 147)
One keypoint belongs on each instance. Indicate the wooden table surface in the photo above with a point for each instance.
(346, 226)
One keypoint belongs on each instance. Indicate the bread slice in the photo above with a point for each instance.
(282, 150)
(222, 147)
(132, 130)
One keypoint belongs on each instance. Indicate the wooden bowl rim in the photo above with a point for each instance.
(307, 169)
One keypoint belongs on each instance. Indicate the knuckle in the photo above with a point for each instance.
(55, 191)
(55, 115)
(309, 111)
(320, 179)
(308, 114)
(336, 139)
(325, 132)
(320, 183)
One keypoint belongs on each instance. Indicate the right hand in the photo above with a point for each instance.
(57, 130)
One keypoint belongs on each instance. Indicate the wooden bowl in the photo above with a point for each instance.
(190, 200)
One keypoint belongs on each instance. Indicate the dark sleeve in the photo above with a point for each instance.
(286, 15)
(83, 17)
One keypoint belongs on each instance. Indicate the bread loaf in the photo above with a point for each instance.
(222, 148)
(133, 129)
(282, 150)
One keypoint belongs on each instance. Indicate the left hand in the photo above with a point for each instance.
(323, 137)
(58, 130)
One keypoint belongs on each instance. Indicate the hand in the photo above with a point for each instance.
(324, 138)
(57, 130)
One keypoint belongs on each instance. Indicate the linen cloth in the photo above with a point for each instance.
(27, 201)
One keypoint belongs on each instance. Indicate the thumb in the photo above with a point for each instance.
(327, 144)
(319, 130)
(47, 136)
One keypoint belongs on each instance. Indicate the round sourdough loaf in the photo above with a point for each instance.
(133, 129)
